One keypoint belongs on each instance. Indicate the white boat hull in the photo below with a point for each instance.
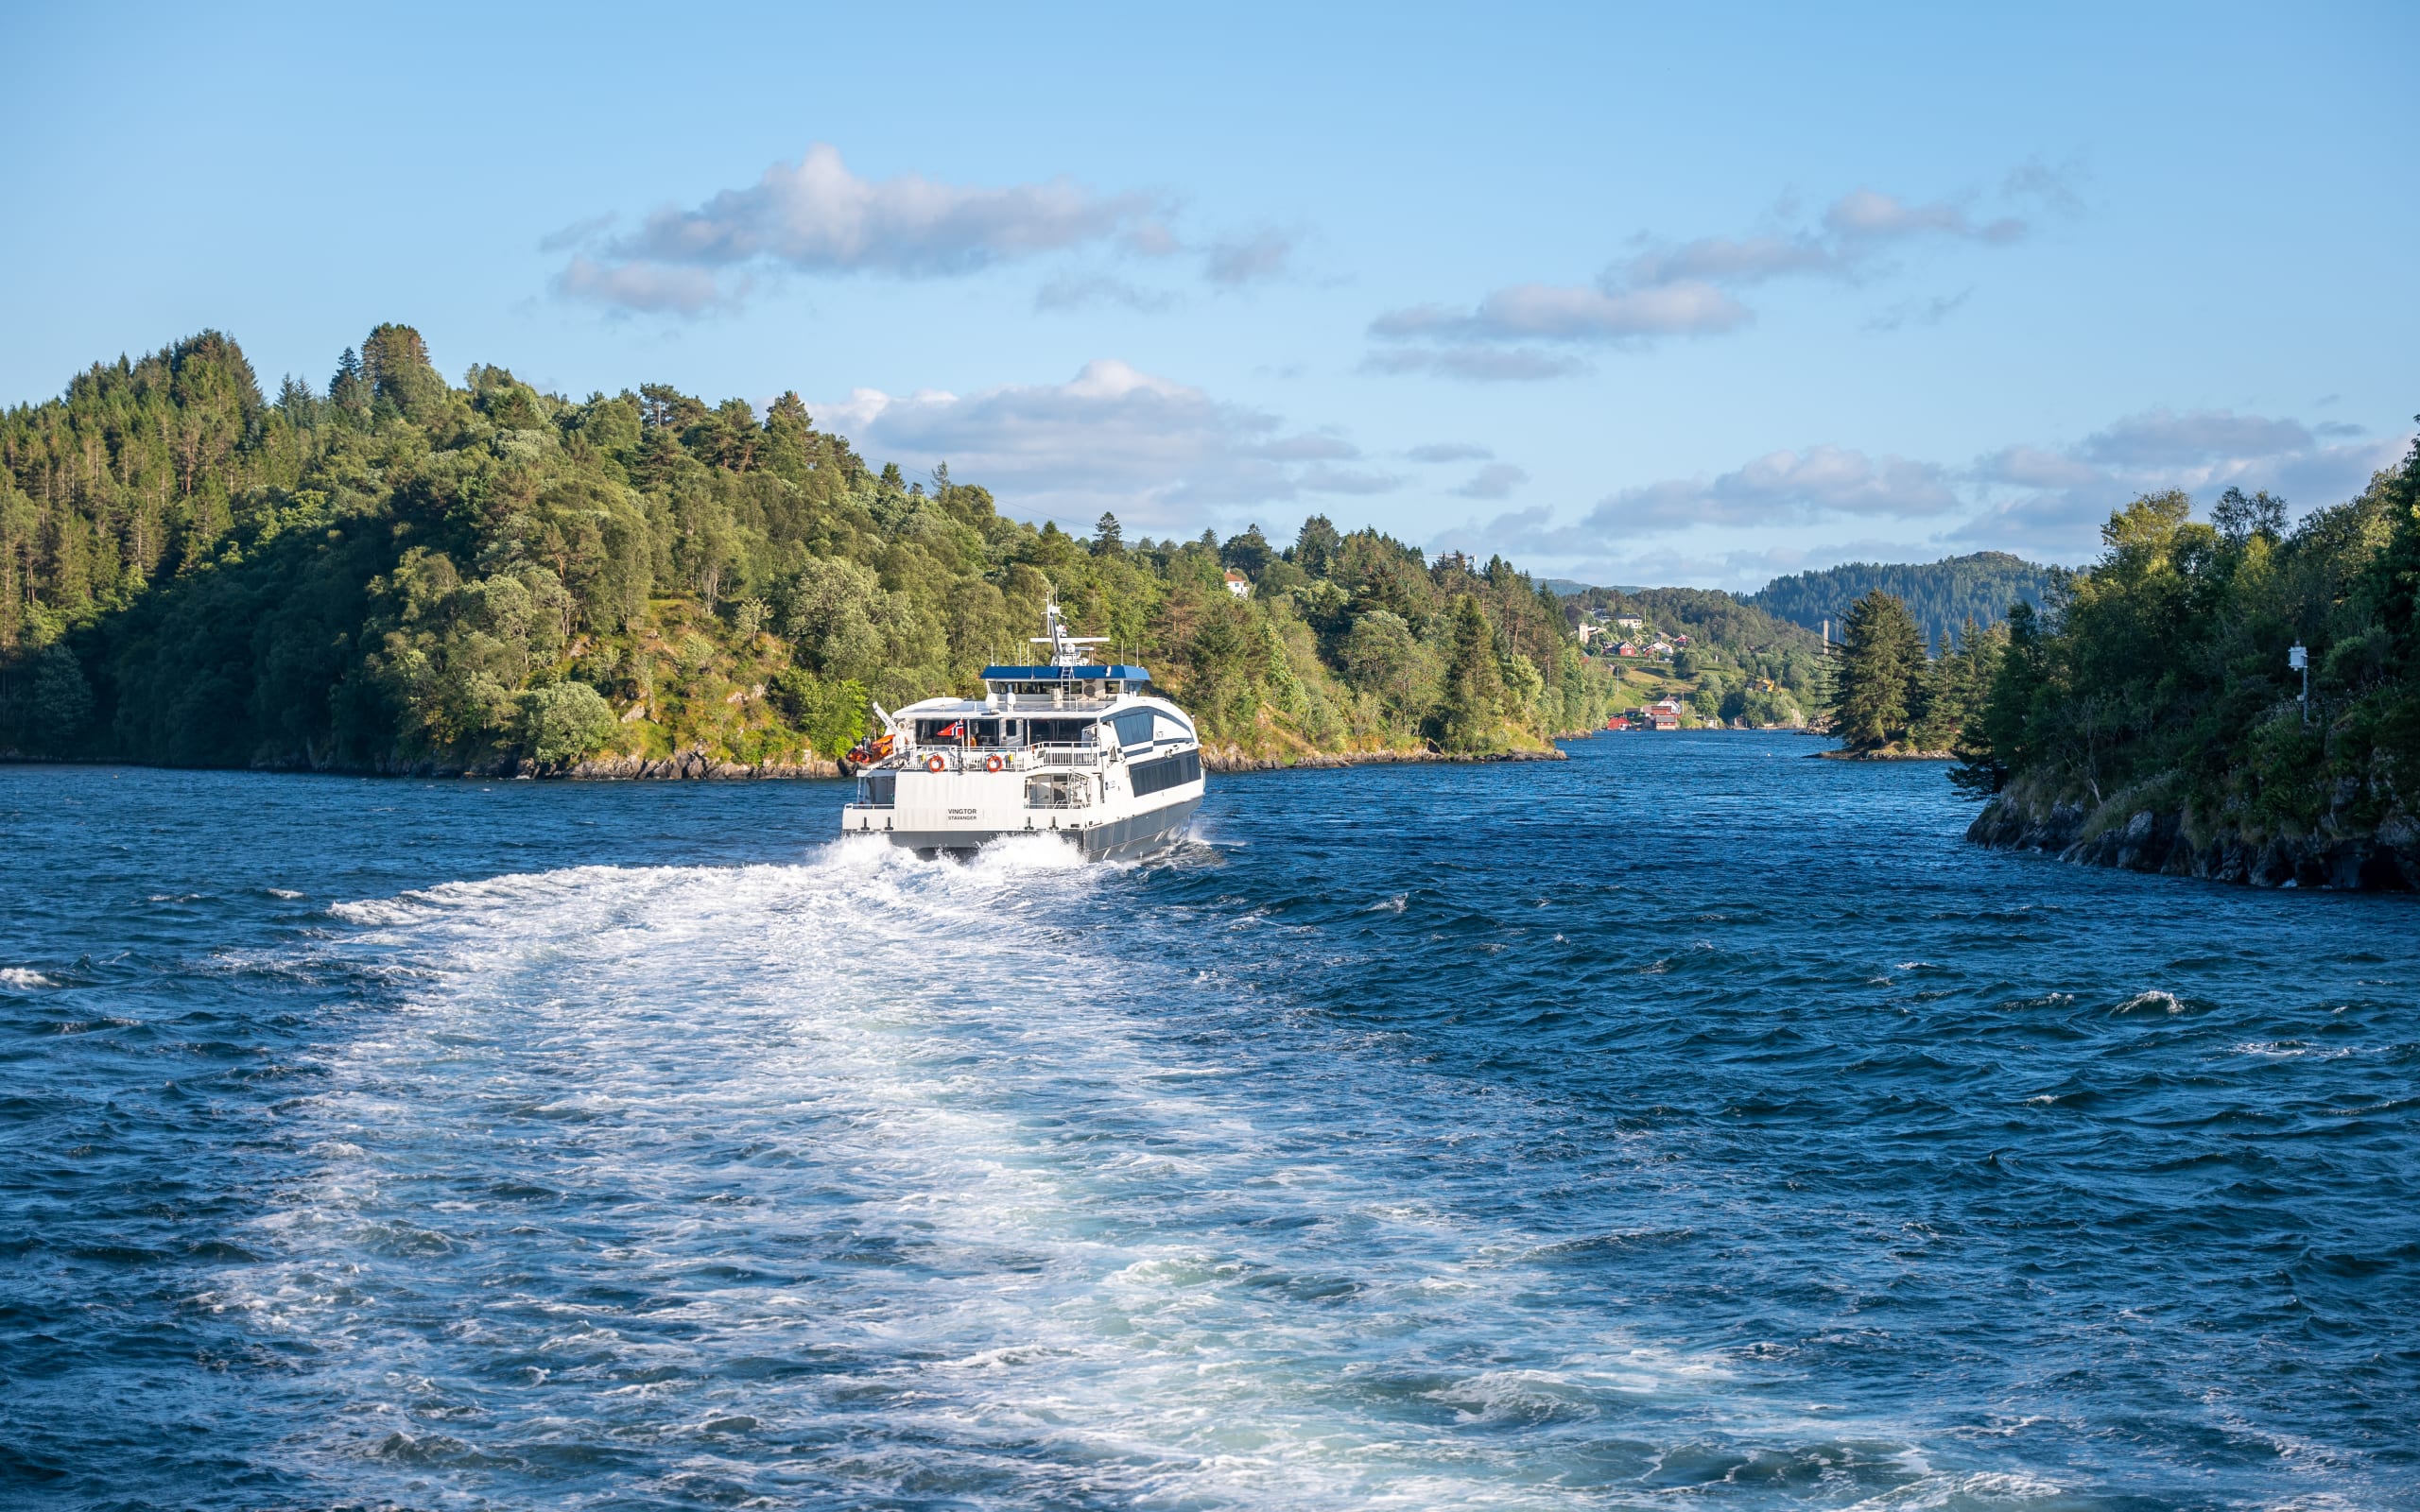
(1098, 837)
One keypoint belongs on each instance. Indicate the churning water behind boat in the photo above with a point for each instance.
(1688, 1120)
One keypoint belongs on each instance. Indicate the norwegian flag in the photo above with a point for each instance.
(954, 730)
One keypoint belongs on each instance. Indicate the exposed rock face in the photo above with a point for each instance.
(693, 765)
(2384, 859)
(1232, 758)
(686, 764)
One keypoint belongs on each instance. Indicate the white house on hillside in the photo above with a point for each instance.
(1239, 584)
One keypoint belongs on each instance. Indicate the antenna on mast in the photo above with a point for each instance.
(1066, 650)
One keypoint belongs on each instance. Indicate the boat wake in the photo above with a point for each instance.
(874, 1181)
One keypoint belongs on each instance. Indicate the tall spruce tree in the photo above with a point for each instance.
(1880, 690)
(1471, 713)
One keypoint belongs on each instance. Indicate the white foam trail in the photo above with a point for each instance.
(893, 1157)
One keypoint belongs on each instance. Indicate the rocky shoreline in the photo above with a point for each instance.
(2158, 839)
(1231, 758)
(695, 765)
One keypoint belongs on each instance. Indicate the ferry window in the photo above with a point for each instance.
(1058, 731)
(1168, 771)
(1134, 727)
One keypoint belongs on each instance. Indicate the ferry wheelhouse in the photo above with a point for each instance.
(1073, 748)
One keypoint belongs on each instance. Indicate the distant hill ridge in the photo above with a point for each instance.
(1941, 595)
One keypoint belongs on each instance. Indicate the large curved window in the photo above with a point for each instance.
(1134, 727)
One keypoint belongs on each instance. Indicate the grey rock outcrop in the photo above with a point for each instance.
(2162, 839)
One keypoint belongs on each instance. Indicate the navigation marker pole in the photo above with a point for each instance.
(2298, 659)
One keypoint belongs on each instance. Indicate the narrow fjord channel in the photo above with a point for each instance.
(1688, 1124)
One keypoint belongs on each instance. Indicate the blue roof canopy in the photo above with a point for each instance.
(1051, 674)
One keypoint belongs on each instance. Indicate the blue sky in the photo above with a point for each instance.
(1667, 295)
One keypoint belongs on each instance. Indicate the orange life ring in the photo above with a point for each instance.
(992, 761)
(934, 763)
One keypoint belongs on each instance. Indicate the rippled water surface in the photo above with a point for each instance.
(1691, 1124)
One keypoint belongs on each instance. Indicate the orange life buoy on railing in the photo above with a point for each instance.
(992, 762)
(934, 763)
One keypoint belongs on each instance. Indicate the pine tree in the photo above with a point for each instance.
(1471, 714)
(349, 390)
(1880, 692)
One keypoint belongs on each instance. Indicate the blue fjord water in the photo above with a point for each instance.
(1691, 1124)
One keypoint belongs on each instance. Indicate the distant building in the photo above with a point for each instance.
(1665, 714)
(1631, 621)
(1239, 584)
(1588, 631)
(1660, 649)
(1625, 649)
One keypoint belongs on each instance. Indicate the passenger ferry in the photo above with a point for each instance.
(1072, 747)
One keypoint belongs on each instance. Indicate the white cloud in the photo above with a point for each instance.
(1449, 452)
(1781, 488)
(817, 216)
(1249, 260)
(1162, 454)
(1736, 262)
(2052, 503)
(1864, 215)
(1495, 481)
(1680, 288)
(1478, 364)
(1531, 537)
(2046, 503)
(2030, 467)
(1075, 291)
(2163, 437)
(649, 288)
(1552, 313)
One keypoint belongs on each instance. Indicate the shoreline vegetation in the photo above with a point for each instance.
(2229, 699)
(391, 573)
(394, 575)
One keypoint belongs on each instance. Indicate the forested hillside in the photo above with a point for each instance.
(395, 572)
(2161, 685)
(1941, 595)
(1741, 663)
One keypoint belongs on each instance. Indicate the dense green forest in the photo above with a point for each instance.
(395, 572)
(1941, 595)
(2160, 678)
